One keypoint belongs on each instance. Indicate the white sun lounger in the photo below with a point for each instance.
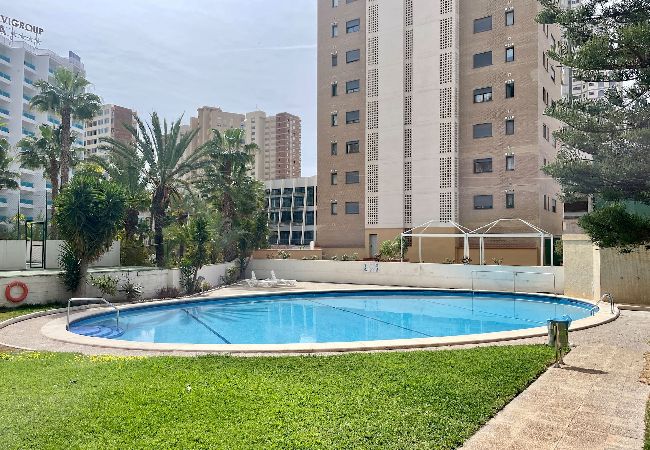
(281, 282)
(254, 282)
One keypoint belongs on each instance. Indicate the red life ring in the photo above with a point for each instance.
(21, 297)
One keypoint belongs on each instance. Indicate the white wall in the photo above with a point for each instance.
(12, 255)
(445, 276)
(109, 259)
(47, 288)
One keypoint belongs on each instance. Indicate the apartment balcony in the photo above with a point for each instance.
(27, 186)
(53, 120)
(29, 118)
(27, 98)
(5, 61)
(3, 203)
(4, 112)
(5, 96)
(5, 78)
(29, 133)
(29, 83)
(26, 203)
(30, 67)
(26, 171)
(4, 131)
(48, 186)
(78, 126)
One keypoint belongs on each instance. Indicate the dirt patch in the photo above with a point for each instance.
(645, 374)
(4, 349)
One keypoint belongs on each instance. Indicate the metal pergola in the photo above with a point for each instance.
(480, 233)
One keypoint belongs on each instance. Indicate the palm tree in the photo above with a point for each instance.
(7, 177)
(43, 152)
(228, 185)
(168, 163)
(67, 97)
(127, 171)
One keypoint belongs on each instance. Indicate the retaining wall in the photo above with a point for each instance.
(445, 276)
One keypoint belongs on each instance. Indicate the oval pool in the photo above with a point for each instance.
(331, 317)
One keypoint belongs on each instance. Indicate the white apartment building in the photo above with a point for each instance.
(291, 206)
(21, 65)
(108, 124)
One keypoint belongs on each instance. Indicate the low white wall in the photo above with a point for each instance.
(445, 276)
(109, 259)
(12, 255)
(47, 287)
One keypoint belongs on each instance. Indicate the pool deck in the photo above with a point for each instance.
(595, 402)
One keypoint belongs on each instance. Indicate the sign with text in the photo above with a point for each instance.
(16, 29)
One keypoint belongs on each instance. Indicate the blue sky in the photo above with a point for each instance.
(175, 56)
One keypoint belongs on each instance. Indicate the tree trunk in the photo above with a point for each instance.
(54, 181)
(158, 214)
(65, 145)
(130, 223)
(82, 289)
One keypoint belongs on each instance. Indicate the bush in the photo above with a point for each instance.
(131, 290)
(168, 292)
(232, 275)
(390, 250)
(106, 284)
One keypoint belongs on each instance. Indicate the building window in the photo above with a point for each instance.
(483, 24)
(553, 74)
(335, 119)
(510, 54)
(352, 147)
(335, 60)
(335, 30)
(352, 86)
(482, 130)
(510, 162)
(352, 26)
(335, 89)
(545, 132)
(333, 208)
(510, 89)
(510, 200)
(482, 202)
(483, 165)
(352, 56)
(335, 3)
(482, 95)
(334, 178)
(510, 126)
(482, 59)
(334, 148)
(352, 117)
(510, 18)
(351, 207)
(554, 205)
(352, 177)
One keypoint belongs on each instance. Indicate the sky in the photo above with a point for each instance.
(174, 56)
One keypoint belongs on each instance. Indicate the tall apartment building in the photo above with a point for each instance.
(291, 205)
(21, 65)
(432, 110)
(279, 145)
(109, 123)
(209, 118)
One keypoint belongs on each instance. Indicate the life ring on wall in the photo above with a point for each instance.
(21, 297)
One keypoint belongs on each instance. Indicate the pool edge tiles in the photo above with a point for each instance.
(56, 330)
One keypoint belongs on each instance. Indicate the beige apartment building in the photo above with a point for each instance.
(109, 123)
(450, 99)
(278, 139)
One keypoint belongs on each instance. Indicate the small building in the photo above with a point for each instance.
(291, 206)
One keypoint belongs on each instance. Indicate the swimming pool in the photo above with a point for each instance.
(327, 317)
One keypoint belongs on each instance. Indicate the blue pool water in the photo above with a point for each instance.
(332, 317)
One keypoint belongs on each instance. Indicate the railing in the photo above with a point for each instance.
(514, 274)
(5, 76)
(80, 299)
(610, 297)
(5, 58)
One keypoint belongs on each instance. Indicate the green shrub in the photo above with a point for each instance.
(106, 284)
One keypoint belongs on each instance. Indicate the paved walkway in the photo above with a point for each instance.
(596, 402)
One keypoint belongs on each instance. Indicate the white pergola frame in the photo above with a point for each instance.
(481, 233)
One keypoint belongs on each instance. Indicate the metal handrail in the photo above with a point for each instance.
(611, 301)
(91, 299)
(514, 277)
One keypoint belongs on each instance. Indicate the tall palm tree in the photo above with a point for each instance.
(67, 97)
(43, 152)
(7, 177)
(168, 163)
(227, 184)
(127, 171)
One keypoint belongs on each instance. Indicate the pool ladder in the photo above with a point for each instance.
(609, 297)
(97, 299)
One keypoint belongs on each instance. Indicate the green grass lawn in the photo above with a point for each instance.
(10, 313)
(408, 400)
